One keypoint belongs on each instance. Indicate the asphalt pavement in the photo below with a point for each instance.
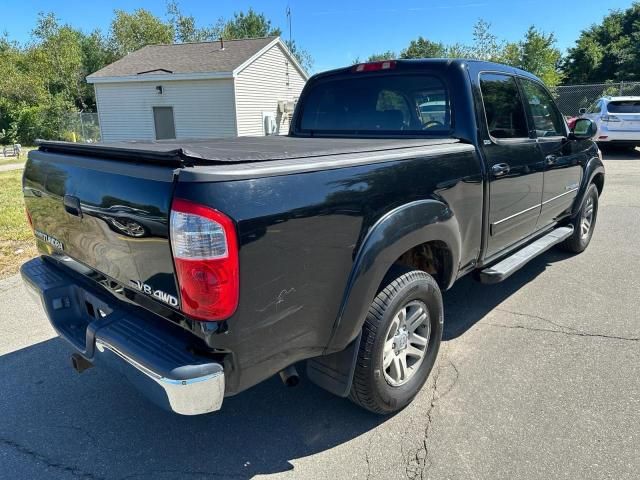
(538, 378)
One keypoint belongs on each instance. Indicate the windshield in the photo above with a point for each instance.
(377, 105)
(624, 106)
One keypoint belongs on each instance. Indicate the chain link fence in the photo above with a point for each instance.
(81, 127)
(571, 98)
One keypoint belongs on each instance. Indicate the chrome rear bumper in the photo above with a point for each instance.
(153, 354)
(189, 396)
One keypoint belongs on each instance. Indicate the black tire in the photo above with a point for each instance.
(371, 389)
(579, 241)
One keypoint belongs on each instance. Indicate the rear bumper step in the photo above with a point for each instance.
(155, 357)
(507, 267)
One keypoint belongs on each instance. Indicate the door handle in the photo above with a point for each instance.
(500, 169)
(551, 159)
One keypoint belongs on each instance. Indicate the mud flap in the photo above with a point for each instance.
(334, 372)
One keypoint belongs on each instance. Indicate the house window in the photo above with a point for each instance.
(163, 120)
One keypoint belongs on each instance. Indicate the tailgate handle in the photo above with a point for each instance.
(72, 205)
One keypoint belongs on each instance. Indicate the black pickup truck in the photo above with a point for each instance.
(200, 268)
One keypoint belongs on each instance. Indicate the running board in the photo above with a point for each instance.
(507, 267)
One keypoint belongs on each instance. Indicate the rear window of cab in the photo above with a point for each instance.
(380, 104)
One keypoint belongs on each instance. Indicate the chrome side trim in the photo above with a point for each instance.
(534, 207)
(193, 396)
(516, 214)
(558, 196)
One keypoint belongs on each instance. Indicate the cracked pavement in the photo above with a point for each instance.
(538, 377)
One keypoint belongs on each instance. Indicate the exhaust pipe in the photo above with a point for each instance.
(80, 364)
(290, 376)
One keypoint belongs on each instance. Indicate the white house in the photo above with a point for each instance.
(199, 90)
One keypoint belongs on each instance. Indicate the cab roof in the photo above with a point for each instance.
(439, 64)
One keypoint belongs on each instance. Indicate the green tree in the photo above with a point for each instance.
(486, 45)
(19, 82)
(132, 31)
(607, 51)
(423, 48)
(246, 25)
(303, 57)
(185, 28)
(58, 57)
(43, 82)
(377, 57)
(458, 50)
(540, 56)
(537, 54)
(96, 54)
(256, 25)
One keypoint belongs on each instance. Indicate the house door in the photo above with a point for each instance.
(163, 121)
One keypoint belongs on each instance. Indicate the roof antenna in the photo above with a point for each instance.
(289, 20)
(221, 44)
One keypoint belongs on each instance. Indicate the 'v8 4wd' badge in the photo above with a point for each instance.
(159, 294)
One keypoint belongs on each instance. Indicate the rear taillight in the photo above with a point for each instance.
(29, 220)
(205, 251)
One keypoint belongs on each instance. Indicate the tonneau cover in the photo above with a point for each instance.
(235, 150)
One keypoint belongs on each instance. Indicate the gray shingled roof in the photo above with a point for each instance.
(204, 57)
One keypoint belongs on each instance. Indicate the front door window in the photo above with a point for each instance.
(547, 121)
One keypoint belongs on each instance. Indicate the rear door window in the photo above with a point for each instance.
(624, 106)
(378, 105)
(503, 106)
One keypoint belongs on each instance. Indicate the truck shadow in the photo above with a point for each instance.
(469, 301)
(95, 425)
(56, 422)
(620, 154)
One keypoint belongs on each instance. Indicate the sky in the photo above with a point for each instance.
(337, 32)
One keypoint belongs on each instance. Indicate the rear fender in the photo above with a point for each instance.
(394, 234)
(592, 168)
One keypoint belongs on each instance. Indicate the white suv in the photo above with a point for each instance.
(617, 119)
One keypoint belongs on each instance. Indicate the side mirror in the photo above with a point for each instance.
(584, 129)
(582, 111)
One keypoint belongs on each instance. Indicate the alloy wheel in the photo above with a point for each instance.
(406, 343)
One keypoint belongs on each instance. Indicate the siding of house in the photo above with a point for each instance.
(259, 87)
(201, 108)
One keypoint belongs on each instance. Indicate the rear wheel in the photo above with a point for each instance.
(584, 223)
(400, 342)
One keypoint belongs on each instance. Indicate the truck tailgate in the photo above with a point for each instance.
(110, 216)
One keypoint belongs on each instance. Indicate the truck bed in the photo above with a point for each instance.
(236, 150)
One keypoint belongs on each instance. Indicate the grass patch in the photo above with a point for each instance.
(16, 239)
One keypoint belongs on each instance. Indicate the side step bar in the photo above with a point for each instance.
(507, 267)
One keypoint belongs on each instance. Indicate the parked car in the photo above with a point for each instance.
(433, 111)
(617, 120)
(331, 245)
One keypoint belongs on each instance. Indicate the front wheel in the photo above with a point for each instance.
(400, 342)
(584, 223)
